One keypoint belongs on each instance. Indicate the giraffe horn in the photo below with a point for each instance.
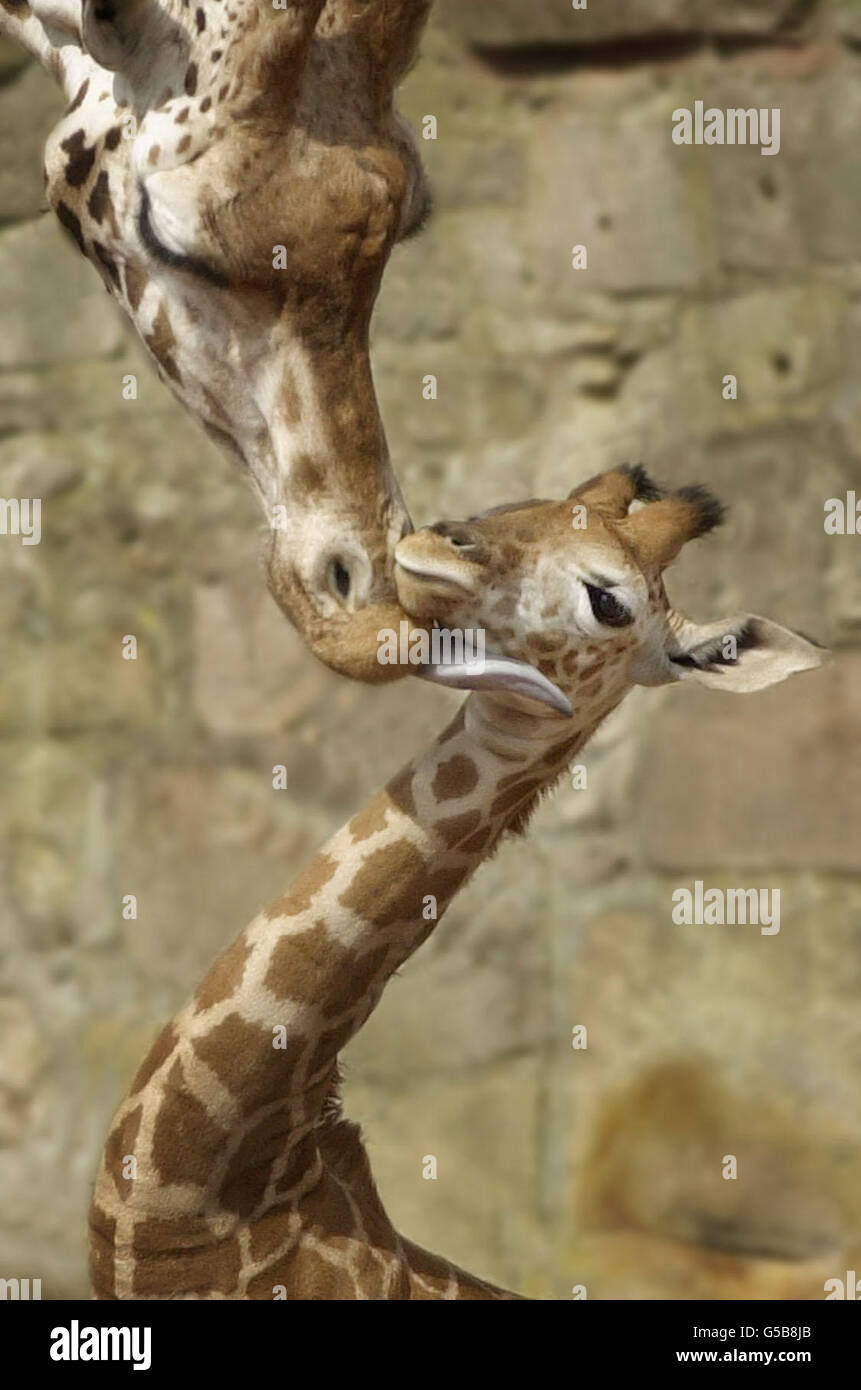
(614, 492)
(656, 533)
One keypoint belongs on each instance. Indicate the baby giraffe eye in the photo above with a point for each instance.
(607, 608)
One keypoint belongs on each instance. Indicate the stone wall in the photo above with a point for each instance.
(556, 1167)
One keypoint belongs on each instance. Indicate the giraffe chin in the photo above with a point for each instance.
(352, 645)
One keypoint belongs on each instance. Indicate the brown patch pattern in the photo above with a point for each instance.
(185, 1138)
(454, 778)
(389, 884)
(156, 1057)
(120, 1147)
(302, 893)
(161, 343)
(225, 977)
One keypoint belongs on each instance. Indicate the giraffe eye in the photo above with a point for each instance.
(607, 609)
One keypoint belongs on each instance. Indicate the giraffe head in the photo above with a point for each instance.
(571, 599)
(239, 176)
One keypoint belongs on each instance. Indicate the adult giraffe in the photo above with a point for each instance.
(237, 172)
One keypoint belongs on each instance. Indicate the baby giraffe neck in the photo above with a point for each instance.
(231, 1123)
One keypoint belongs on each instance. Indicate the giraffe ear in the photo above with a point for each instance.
(499, 673)
(740, 654)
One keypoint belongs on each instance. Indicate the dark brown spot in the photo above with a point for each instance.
(80, 161)
(190, 83)
(113, 137)
(299, 962)
(185, 1138)
(455, 778)
(184, 144)
(200, 20)
(389, 885)
(183, 115)
(100, 203)
(161, 342)
(135, 284)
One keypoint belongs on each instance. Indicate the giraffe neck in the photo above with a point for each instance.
(233, 1121)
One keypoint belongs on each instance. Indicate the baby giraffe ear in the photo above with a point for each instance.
(741, 654)
(499, 673)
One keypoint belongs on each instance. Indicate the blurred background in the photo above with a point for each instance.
(556, 1167)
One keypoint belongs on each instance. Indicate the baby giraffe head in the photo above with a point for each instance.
(569, 597)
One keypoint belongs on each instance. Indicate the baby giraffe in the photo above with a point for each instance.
(230, 1172)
